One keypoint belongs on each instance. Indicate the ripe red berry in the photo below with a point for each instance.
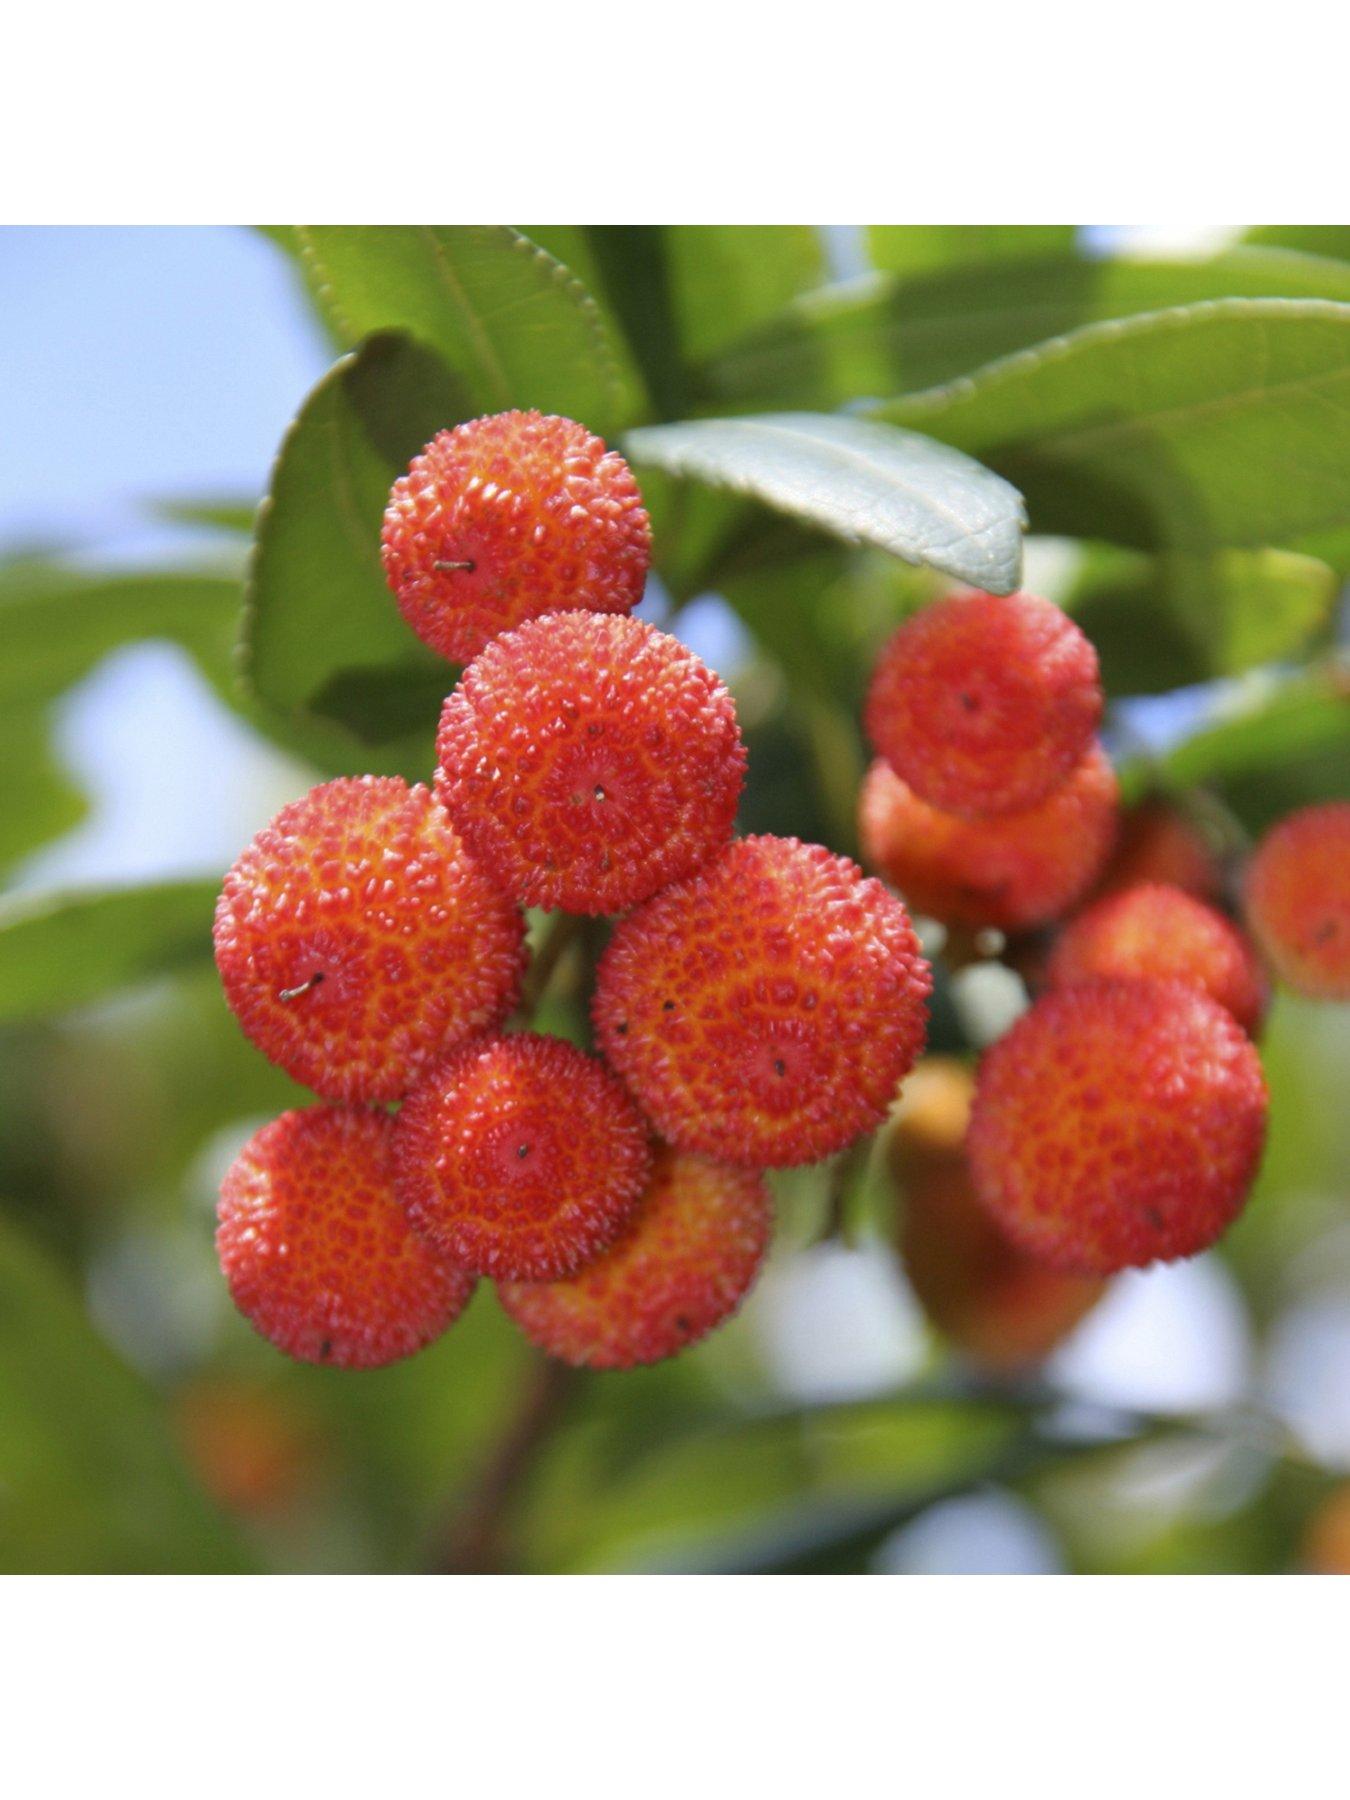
(984, 703)
(1158, 843)
(1117, 1124)
(356, 939)
(316, 1249)
(590, 761)
(507, 517)
(681, 1265)
(765, 1009)
(1297, 899)
(1003, 1308)
(520, 1157)
(1013, 872)
(1159, 933)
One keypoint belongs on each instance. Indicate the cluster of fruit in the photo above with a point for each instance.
(759, 1000)
(757, 1004)
(1120, 1120)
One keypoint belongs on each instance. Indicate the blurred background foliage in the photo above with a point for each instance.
(1178, 423)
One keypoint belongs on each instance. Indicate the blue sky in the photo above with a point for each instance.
(140, 363)
(143, 364)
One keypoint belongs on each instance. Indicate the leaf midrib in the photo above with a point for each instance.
(1260, 313)
(849, 456)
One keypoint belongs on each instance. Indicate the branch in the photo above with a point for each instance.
(477, 1537)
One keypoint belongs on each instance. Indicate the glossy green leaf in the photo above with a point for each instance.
(90, 1480)
(323, 636)
(1226, 423)
(889, 334)
(58, 951)
(859, 481)
(516, 326)
(911, 248)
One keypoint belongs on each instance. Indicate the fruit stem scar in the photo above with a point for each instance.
(294, 993)
(446, 568)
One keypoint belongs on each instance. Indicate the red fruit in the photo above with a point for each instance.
(520, 1157)
(1015, 872)
(357, 939)
(1158, 843)
(1004, 1309)
(765, 1009)
(507, 517)
(985, 703)
(1159, 933)
(590, 761)
(682, 1264)
(316, 1250)
(1297, 899)
(1117, 1124)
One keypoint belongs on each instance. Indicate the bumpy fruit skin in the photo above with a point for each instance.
(356, 939)
(318, 1254)
(681, 1266)
(985, 703)
(1158, 843)
(1013, 872)
(1160, 934)
(765, 1010)
(1002, 1308)
(1297, 900)
(1118, 1123)
(520, 1157)
(548, 518)
(589, 761)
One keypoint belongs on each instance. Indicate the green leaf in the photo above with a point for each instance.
(726, 279)
(860, 481)
(233, 515)
(889, 334)
(681, 292)
(911, 248)
(38, 799)
(516, 327)
(625, 268)
(1315, 240)
(1169, 621)
(58, 951)
(1226, 423)
(56, 625)
(749, 1491)
(90, 1480)
(1270, 724)
(323, 637)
